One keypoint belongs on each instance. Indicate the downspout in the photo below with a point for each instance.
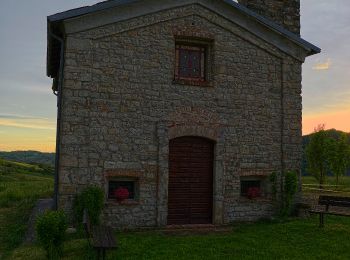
(282, 133)
(59, 104)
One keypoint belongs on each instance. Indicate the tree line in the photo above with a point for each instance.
(327, 153)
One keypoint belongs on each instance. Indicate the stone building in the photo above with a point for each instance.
(189, 104)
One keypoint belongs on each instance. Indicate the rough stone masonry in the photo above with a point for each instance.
(121, 106)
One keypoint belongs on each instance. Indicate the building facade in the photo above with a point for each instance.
(187, 104)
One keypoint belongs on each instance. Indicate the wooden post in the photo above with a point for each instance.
(103, 253)
(321, 220)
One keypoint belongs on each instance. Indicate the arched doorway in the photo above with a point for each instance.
(190, 187)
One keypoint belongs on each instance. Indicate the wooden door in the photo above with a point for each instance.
(190, 190)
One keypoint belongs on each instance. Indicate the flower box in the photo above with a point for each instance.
(253, 192)
(121, 194)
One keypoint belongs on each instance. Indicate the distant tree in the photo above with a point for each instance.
(317, 155)
(339, 155)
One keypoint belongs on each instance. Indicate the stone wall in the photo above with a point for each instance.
(121, 108)
(284, 12)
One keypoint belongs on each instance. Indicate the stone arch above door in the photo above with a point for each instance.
(194, 121)
(193, 130)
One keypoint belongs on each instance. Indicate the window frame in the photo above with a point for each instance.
(180, 49)
(206, 45)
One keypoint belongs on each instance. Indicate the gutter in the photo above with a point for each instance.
(58, 93)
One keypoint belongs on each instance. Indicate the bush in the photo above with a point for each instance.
(91, 199)
(288, 187)
(50, 228)
(273, 180)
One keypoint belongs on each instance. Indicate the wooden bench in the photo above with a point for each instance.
(327, 201)
(100, 238)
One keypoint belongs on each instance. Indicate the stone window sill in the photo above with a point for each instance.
(259, 199)
(192, 82)
(112, 202)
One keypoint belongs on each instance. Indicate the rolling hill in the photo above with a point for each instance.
(31, 157)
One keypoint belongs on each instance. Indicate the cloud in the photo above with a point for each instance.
(24, 121)
(32, 125)
(323, 66)
(12, 116)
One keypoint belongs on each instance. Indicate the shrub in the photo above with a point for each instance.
(50, 228)
(288, 188)
(91, 199)
(273, 180)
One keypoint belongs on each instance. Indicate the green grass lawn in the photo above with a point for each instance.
(20, 186)
(294, 239)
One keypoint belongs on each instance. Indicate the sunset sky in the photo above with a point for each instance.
(28, 107)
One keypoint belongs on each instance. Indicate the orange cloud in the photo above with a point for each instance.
(339, 120)
(29, 123)
(323, 66)
(18, 132)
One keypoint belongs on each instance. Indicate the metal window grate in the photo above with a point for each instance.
(113, 185)
(190, 62)
(246, 184)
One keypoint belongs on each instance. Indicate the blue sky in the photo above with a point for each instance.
(327, 24)
(28, 107)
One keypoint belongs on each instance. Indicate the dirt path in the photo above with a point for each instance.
(40, 207)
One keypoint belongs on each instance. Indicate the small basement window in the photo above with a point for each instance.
(190, 62)
(130, 185)
(248, 184)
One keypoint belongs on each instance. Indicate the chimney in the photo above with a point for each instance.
(283, 12)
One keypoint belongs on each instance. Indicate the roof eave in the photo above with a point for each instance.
(53, 28)
(56, 19)
(312, 49)
(87, 10)
(309, 47)
(48, 52)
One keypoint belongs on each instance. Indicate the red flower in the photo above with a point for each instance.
(121, 193)
(253, 192)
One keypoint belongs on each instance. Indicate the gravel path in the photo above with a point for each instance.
(41, 206)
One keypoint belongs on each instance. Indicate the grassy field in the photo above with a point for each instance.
(294, 239)
(20, 186)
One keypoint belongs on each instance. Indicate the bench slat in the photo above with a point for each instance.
(330, 212)
(331, 201)
(326, 197)
(334, 201)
